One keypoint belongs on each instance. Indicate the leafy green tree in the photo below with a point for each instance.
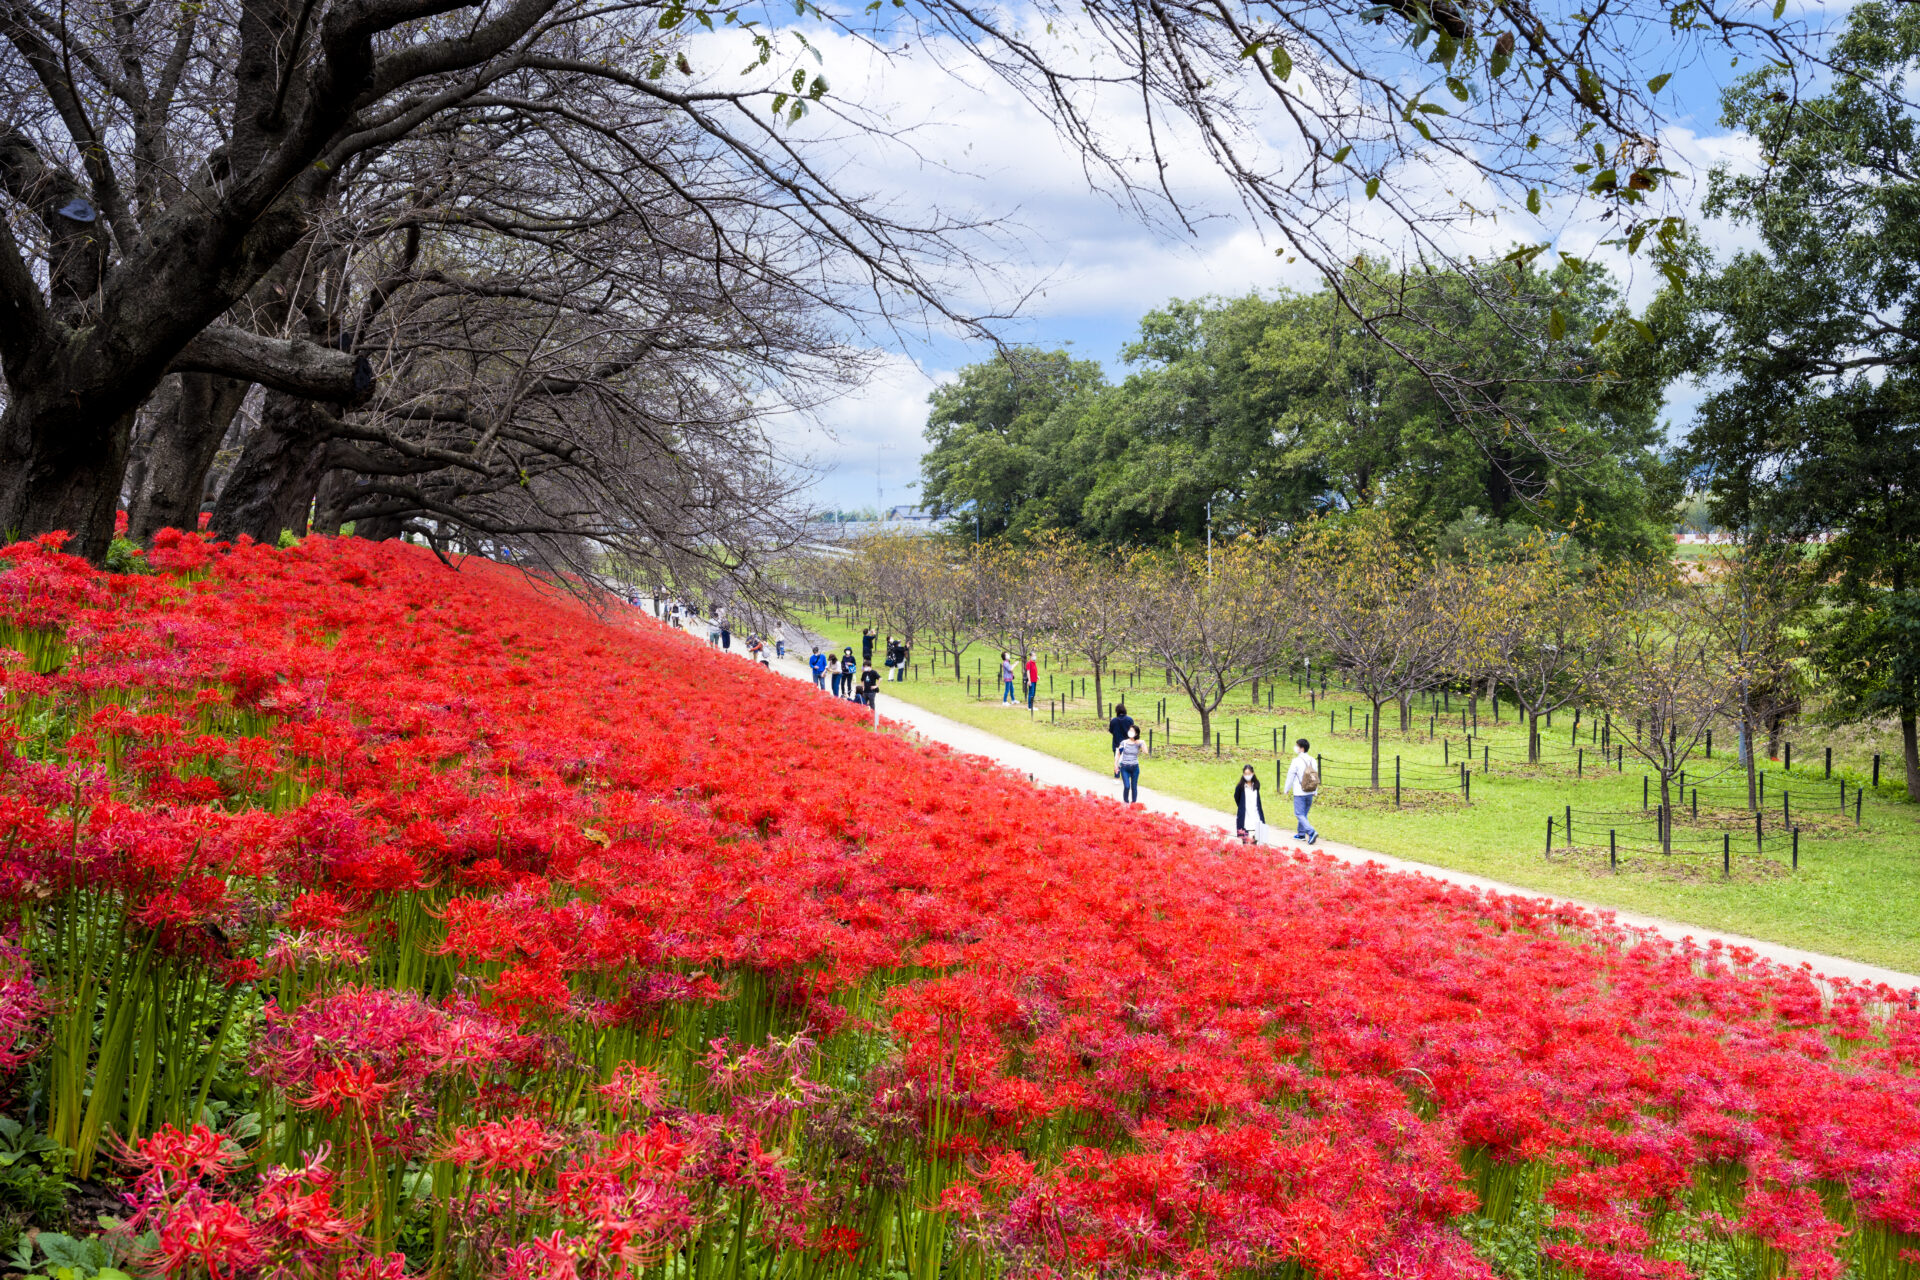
(1814, 428)
(992, 454)
(1259, 412)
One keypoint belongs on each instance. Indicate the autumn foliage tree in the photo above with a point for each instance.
(1212, 627)
(1388, 616)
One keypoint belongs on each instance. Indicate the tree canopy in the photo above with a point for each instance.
(1277, 407)
(1813, 427)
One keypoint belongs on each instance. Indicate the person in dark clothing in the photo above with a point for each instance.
(848, 671)
(866, 647)
(1249, 819)
(1119, 725)
(869, 685)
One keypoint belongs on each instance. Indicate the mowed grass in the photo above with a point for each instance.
(1855, 893)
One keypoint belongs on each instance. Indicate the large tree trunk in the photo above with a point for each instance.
(60, 469)
(273, 485)
(173, 479)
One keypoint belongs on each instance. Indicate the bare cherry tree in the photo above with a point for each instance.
(1556, 623)
(1668, 681)
(1213, 628)
(1094, 604)
(1388, 616)
(161, 163)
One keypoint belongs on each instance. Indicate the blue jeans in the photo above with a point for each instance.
(1006, 692)
(1303, 830)
(1129, 783)
(1031, 690)
(820, 681)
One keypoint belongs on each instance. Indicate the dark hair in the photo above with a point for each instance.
(1133, 731)
(1301, 743)
(1119, 708)
(1254, 781)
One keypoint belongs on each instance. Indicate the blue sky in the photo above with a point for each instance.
(1090, 267)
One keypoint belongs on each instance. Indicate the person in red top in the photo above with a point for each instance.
(1033, 679)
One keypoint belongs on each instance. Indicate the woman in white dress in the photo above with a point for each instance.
(1250, 821)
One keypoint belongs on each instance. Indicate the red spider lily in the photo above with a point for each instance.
(519, 1145)
(210, 1237)
(353, 1085)
(490, 850)
(172, 1158)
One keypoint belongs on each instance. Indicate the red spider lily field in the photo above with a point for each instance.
(369, 918)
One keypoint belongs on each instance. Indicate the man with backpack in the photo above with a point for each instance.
(1303, 784)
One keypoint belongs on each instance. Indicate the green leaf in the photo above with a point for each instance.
(1457, 87)
(1779, 8)
(1497, 65)
(1343, 153)
(1675, 273)
(1373, 187)
(1282, 62)
(1533, 200)
(1634, 237)
(1646, 330)
(1601, 330)
(1659, 82)
(1556, 325)
(1433, 109)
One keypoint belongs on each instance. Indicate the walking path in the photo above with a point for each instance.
(1053, 771)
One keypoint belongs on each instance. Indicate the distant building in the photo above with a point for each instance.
(896, 520)
(913, 516)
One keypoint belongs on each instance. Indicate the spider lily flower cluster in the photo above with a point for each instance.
(374, 919)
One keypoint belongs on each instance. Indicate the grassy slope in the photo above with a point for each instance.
(1853, 895)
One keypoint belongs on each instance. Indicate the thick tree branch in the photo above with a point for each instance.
(297, 368)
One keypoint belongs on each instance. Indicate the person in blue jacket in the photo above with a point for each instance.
(818, 665)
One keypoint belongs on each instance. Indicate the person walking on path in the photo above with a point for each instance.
(726, 634)
(1249, 819)
(1303, 784)
(847, 669)
(900, 661)
(870, 686)
(1006, 681)
(1126, 765)
(1033, 679)
(818, 665)
(891, 656)
(866, 647)
(1118, 726)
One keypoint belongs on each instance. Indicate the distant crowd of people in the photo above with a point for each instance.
(843, 677)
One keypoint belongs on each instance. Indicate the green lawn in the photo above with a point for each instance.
(1854, 893)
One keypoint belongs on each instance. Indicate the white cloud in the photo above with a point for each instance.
(864, 449)
(968, 146)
